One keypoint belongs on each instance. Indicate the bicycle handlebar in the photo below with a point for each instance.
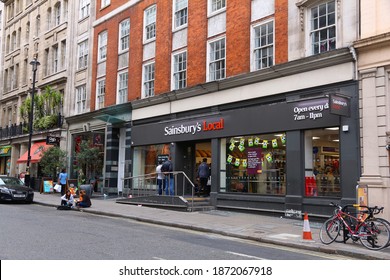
(370, 210)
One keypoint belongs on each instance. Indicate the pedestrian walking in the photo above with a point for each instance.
(62, 177)
(203, 175)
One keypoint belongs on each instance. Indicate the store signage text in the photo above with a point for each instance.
(51, 140)
(309, 111)
(339, 105)
(194, 128)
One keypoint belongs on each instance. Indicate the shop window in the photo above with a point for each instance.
(322, 166)
(254, 164)
(146, 158)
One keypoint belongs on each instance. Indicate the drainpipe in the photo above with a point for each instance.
(354, 56)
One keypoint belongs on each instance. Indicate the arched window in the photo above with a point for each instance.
(37, 25)
(13, 41)
(48, 20)
(7, 49)
(28, 31)
(18, 37)
(57, 14)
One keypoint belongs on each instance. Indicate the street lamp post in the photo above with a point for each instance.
(35, 63)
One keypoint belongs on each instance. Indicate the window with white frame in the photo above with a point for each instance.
(123, 79)
(181, 13)
(13, 78)
(27, 31)
(217, 63)
(84, 8)
(13, 43)
(6, 80)
(100, 93)
(180, 70)
(124, 35)
(323, 27)
(46, 65)
(82, 55)
(57, 14)
(263, 45)
(18, 40)
(105, 3)
(150, 23)
(81, 99)
(102, 46)
(48, 21)
(25, 72)
(216, 5)
(16, 79)
(148, 80)
(65, 11)
(37, 25)
(63, 54)
(55, 59)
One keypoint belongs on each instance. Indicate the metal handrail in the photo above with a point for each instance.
(144, 185)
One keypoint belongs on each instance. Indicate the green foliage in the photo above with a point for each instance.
(46, 122)
(89, 159)
(47, 105)
(53, 160)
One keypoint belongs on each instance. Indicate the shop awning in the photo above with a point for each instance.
(110, 119)
(35, 153)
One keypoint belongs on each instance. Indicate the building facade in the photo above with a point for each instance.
(56, 34)
(287, 100)
(372, 50)
(265, 90)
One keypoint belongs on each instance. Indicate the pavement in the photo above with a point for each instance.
(256, 227)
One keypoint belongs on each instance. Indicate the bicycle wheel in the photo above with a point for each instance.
(374, 234)
(330, 230)
(386, 222)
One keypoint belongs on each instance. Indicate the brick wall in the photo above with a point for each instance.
(238, 43)
(163, 47)
(238, 15)
(281, 31)
(197, 37)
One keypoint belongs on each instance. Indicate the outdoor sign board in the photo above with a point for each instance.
(51, 140)
(339, 105)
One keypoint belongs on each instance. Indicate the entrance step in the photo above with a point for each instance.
(199, 204)
(177, 203)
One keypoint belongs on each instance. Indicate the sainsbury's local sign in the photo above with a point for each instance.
(195, 127)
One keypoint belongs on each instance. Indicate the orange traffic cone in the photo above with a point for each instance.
(306, 229)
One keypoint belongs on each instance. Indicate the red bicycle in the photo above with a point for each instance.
(372, 233)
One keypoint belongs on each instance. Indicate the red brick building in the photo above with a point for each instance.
(245, 84)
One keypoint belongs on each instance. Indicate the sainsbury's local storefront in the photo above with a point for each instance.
(296, 153)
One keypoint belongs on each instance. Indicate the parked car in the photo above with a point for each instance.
(13, 189)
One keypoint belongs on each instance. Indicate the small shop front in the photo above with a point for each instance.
(293, 155)
(5, 159)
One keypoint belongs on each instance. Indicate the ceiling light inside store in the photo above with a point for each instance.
(332, 128)
(316, 138)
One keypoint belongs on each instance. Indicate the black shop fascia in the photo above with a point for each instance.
(303, 114)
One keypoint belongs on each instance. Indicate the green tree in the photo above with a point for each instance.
(52, 161)
(47, 105)
(90, 161)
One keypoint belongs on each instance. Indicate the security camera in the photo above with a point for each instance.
(388, 147)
